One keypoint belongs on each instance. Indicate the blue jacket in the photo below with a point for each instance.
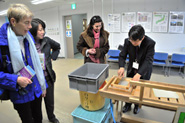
(9, 80)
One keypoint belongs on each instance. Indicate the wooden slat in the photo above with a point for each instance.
(136, 91)
(115, 79)
(115, 95)
(141, 95)
(107, 85)
(151, 103)
(173, 100)
(120, 89)
(164, 99)
(128, 79)
(134, 119)
(147, 92)
(175, 103)
(181, 98)
(161, 83)
(117, 104)
(163, 86)
(120, 86)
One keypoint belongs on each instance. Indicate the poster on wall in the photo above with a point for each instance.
(176, 22)
(160, 22)
(114, 22)
(128, 20)
(145, 19)
(52, 31)
(68, 24)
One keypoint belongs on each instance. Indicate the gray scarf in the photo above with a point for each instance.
(17, 59)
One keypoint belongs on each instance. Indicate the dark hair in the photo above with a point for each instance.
(136, 32)
(35, 23)
(95, 19)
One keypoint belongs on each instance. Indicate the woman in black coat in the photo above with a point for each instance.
(48, 50)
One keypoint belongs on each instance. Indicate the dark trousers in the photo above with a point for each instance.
(49, 99)
(30, 112)
(129, 104)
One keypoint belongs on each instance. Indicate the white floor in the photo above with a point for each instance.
(66, 99)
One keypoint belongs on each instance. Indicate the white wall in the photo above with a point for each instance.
(54, 18)
(51, 18)
(164, 41)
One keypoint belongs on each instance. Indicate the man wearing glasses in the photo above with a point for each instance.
(140, 49)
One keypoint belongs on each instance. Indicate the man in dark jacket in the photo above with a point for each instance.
(140, 49)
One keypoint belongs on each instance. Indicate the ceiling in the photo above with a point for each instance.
(4, 4)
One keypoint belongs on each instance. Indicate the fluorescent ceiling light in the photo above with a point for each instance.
(40, 1)
(4, 12)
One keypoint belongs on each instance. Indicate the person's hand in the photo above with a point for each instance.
(23, 81)
(44, 93)
(136, 78)
(121, 72)
(92, 51)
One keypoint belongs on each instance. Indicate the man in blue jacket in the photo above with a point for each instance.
(21, 52)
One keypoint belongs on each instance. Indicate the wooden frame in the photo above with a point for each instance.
(143, 93)
(115, 85)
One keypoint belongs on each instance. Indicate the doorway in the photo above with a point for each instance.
(69, 36)
(74, 26)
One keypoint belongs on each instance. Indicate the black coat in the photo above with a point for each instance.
(144, 57)
(51, 49)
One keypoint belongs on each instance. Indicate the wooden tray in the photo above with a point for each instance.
(115, 85)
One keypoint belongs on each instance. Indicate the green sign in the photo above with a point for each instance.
(73, 6)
